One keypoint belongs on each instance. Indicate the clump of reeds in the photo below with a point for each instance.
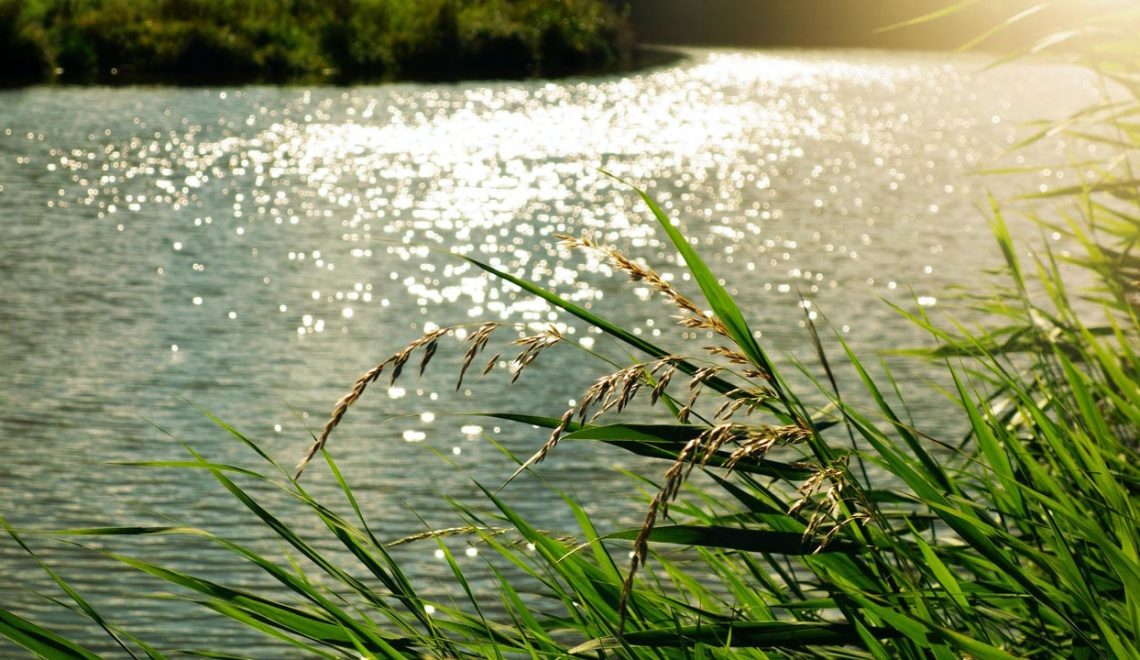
(610, 392)
(615, 391)
(1020, 542)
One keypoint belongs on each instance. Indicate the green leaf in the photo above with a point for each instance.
(88, 609)
(736, 538)
(610, 328)
(718, 298)
(39, 640)
(658, 441)
(737, 634)
(935, 15)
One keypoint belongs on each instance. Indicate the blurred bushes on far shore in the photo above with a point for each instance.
(277, 40)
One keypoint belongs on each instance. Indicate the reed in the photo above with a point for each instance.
(1023, 541)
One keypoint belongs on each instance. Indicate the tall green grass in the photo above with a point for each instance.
(1023, 541)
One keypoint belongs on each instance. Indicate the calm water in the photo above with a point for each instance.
(249, 251)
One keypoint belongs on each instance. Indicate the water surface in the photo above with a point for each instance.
(251, 250)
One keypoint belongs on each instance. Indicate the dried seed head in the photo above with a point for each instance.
(533, 345)
(687, 410)
(834, 508)
(728, 408)
(427, 341)
(555, 436)
(548, 446)
(698, 320)
(630, 384)
(477, 342)
(597, 392)
(465, 530)
(639, 273)
(859, 518)
(705, 445)
(757, 374)
(618, 389)
(715, 438)
(662, 384)
(735, 357)
(757, 442)
(702, 375)
(491, 363)
(608, 392)
(429, 353)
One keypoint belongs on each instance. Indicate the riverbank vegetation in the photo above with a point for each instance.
(819, 526)
(220, 40)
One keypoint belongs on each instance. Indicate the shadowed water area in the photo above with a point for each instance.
(252, 250)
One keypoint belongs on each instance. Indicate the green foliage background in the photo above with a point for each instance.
(105, 40)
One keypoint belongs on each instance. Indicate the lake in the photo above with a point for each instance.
(249, 251)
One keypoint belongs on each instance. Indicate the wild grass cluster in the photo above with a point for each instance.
(211, 40)
(820, 527)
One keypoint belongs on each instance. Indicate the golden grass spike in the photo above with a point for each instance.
(700, 450)
(533, 345)
(546, 448)
(338, 412)
(397, 362)
(478, 341)
(640, 273)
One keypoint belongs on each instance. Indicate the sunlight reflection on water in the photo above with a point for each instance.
(252, 250)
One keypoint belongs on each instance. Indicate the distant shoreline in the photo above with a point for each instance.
(202, 42)
(645, 58)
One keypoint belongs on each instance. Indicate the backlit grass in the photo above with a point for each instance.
(1022, 541)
